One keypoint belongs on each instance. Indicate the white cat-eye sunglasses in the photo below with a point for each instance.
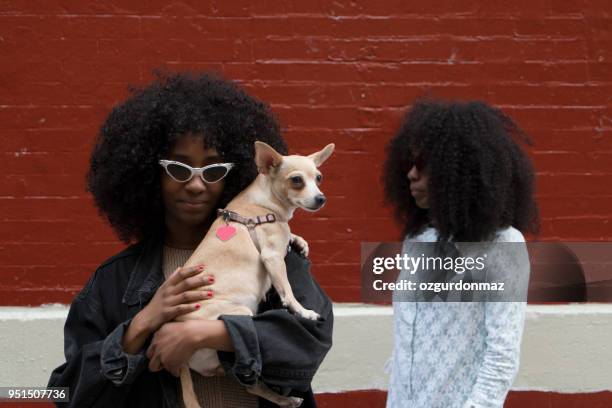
(183, 173)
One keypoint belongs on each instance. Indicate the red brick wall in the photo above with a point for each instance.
(341, 71)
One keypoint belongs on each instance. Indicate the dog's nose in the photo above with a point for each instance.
(320, 200)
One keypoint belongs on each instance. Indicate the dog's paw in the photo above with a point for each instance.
(300, 245)
(292, 402)
(310, 314)
(305, 250)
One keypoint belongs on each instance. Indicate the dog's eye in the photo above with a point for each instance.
(319, 178)
(297, 180)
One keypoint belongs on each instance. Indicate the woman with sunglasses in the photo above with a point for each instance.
(456, 175)
(165, 160)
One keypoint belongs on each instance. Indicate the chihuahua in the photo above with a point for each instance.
(245, 249)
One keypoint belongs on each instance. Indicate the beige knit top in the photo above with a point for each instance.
(212, 392)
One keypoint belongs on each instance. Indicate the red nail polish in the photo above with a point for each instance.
(200, 268)
(210, 294)
(211, 279)
(197, 306)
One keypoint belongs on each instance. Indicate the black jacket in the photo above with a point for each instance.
(281, 349)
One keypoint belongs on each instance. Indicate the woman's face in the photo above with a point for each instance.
(190, 203)
(418, 185)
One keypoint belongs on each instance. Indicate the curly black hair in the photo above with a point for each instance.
(480, 179)
(124, 175)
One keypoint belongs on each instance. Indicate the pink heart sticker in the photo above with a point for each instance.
(225, 232)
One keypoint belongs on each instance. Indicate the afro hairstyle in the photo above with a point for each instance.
(479, 178)
(124, 176)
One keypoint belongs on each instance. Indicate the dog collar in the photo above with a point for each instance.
(226, 232)
(250, 222)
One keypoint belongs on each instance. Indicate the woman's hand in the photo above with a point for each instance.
(174, 343)
(172, 346)
(176, 296)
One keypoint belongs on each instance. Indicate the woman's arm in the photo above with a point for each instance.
(277, 347)
(135, 335)
(504, 325)
(98, 371)
(504, 322)
(212, 334)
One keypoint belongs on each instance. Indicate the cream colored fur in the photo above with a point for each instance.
(243, 274)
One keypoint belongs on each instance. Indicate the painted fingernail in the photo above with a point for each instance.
(211, 279)
(200, 268)
(210, 294)
(197, 306)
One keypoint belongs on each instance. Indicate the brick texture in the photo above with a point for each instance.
(341, 71)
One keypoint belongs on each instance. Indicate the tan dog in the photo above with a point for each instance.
(247, 260)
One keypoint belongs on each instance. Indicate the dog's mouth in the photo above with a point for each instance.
(313, 208)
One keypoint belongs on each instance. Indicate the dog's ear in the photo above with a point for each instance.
(266, 158)
(322, 155)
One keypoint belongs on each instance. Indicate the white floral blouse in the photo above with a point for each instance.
(458, 354)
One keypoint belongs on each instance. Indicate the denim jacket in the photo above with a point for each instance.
(275, 346)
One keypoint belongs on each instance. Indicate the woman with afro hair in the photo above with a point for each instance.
(456, 175)
(122, 347)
